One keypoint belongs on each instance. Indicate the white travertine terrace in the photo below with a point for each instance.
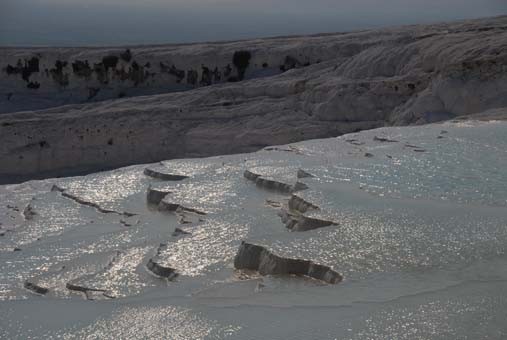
(293, 88)
(417, 244)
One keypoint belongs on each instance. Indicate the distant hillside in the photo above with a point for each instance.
(250, 93)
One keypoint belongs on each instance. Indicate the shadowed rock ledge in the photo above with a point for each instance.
(154, 195)
(273, 184)
(258, 258)
(155, 267)
(33, 287)
(161, 172)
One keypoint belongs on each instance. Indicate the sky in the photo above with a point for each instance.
(132, 22)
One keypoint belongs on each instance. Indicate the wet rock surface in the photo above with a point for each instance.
(273, 184)
(401, 232)
(89, 204)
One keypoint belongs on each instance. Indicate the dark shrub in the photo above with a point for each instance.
(127, 55)
(241, 59)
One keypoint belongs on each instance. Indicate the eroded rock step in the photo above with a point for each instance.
(258, 258)
(297, 203)
(303, 174)
(35, 288)
(155, 196)
(29, 212)
(272, 184)
(89, 293)
(161, 172)
(158, 269)
(300, 222)
(168, 205)
(81, 284)
(124, 276)
(65, 276)
(89, 204)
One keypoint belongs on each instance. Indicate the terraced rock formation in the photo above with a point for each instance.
(160, 172)
(273, 184)
(258, 258)
(158, 269)
(299, 222)
(251, 94)
(420, 238)
(88, 203)
(154, 196)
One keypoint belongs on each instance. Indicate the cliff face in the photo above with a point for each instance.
(242, 95)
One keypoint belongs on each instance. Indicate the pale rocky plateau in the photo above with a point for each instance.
(141, 104)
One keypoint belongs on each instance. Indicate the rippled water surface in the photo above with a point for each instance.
(419, 233)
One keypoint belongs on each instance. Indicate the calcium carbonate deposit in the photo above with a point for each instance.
(239, 96)
(392, 233)
(326, 210)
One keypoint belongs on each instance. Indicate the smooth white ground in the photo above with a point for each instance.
(421, 241)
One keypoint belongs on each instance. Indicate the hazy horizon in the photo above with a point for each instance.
(124, 22)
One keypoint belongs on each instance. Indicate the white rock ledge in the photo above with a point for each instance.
(168, 205)
(81, 201)
(273, 184)
(162, 173)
